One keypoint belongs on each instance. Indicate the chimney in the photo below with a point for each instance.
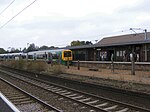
(145, 34)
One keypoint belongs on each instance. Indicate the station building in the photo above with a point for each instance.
(121, 47)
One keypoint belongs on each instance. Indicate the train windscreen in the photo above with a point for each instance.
(67, 53)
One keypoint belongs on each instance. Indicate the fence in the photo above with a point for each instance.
(138, 66)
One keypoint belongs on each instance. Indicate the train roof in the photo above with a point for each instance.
(46, 51)
(13, 54)
(32, 52)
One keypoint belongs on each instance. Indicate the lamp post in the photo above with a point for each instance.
(133, 54)
(145, 37)
(20, 56)
(145, 44)
(27, 52)
(8, 52)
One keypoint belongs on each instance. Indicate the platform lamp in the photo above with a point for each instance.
(8, 52)
(133, 61)
(27, 52)
(145, 38)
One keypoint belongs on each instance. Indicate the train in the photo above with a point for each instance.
(12, 56)
(61, 56)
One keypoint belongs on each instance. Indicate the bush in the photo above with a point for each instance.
(56, 69)
(36, 66)
(24, 65)
(18, 64)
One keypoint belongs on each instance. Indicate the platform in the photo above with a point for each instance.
(6, 105)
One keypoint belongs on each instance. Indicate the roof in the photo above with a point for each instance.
(129, 39)
(124, 40)
(80, 47)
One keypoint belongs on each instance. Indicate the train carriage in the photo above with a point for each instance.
(61, 56)
(12, 56)
(51, 56)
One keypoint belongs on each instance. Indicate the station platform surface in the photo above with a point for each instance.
(6, 105)
(123, 75)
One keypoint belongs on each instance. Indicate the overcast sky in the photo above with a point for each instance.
(58, 22)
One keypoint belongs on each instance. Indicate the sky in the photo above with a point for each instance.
(59, 22)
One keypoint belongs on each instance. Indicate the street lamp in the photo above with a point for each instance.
(96, 41)
(27, 52)
(145, 37)
(133, 61)
(8, 52)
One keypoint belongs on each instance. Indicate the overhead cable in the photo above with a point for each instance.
(6, 7)
(17, 14)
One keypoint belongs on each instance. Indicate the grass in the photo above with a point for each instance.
(35, 66)
(56, 69)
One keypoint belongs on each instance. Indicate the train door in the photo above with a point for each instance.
(49, 58)
(34, 56)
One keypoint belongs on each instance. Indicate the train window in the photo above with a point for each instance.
(67, 54)
(39, 56)
(55, 56)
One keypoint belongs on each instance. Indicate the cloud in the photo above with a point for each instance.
(60, 22)
(5, 2)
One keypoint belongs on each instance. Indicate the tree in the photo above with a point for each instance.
(88, 43)
(32, 47)
(13, 50)
(16, 51)
(78, 43)
(2, 51)
(53, 47)
(44, 47)
(24, 50)
(75, 43)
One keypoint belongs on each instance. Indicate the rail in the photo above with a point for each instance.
(10, 105)
(31, 98)
(84, 98)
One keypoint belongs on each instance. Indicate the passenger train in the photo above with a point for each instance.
(61, 56)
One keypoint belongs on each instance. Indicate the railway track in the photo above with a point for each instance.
(82, 100)
(23, 100)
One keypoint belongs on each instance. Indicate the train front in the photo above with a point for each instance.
(66, 57)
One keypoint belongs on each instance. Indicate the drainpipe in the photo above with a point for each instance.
(145, 45)
(94, 54)
(133, 62)
(145, 34)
